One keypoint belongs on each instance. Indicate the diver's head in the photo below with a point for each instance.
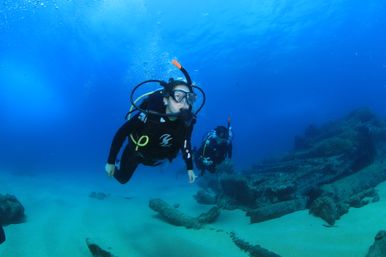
(172, 83)
(177, 99)
(178, 96)
(221, 133)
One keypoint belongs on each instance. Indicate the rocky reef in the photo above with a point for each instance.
(331, 169)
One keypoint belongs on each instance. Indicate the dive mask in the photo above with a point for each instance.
(179, 95)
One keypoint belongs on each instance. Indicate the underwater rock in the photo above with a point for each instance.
(252, 250)
(327, 209)
(378, 249)
(177, 218)
(209, 216)
(96, 250)
(363, 198)
(351, 136)
(237, 192)
(11, 210)
(365, 150)
(98, 195)
(335, 166)
(276, 210)
(173, 215)
(226, 167)
(361, 115)
(284, 181)
(2, 235)
(351, 191)
(204, 197)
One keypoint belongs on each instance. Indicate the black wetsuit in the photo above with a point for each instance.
(166, 138)
(213, 151)
(2, 235)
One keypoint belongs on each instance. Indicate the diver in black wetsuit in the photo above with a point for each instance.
(2, 235)
(215, 148)
(162, 127)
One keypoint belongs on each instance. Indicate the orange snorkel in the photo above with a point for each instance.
(186, 74)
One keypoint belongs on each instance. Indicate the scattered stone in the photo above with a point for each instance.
(96, 250)
(11, 210)
(177, 218)
(252, 250)
(172, 215)
(98, 195)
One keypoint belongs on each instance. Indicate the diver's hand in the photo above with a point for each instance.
(207, 161)
(192, 176)
(110, 169)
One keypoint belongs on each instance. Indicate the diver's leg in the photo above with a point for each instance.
(129, 162)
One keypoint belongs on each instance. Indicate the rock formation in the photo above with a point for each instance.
(331, 168)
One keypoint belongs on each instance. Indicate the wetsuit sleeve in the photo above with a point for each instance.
(120, 136)
(187, 149)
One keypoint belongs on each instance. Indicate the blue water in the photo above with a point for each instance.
(67, 68)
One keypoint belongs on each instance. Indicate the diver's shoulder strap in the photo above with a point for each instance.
(211, 134)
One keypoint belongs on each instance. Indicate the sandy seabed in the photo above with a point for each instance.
(61, 215)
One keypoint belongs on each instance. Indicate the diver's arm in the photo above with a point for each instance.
(120, 136)
(187, 154)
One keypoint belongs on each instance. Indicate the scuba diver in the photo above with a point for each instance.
(215, 148)
(161, 127)
(2, 235)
